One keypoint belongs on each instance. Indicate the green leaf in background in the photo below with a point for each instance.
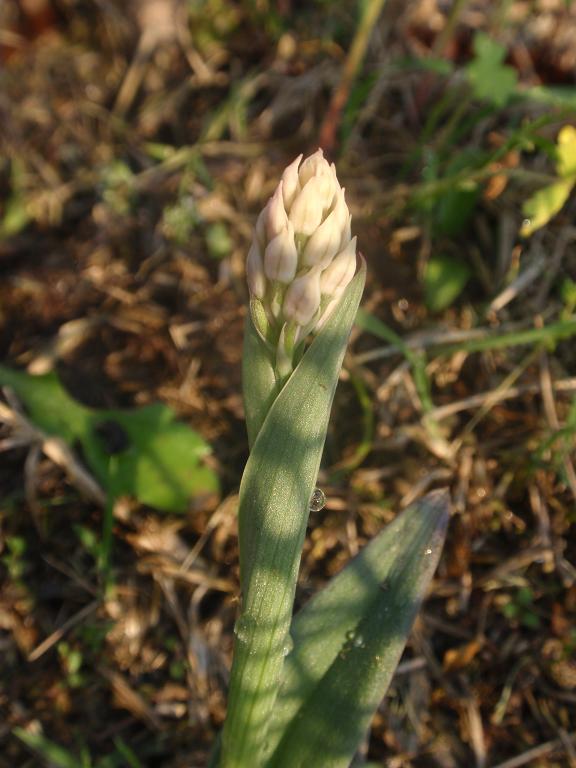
(143, 452)
(348, 640)
(491, 80)
(444, 280)
(455, 206)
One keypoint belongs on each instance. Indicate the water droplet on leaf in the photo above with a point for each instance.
(428, 551)
(243, 628)
(288, 645)
(317, 500)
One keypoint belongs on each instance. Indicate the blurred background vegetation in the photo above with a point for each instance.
(139, 140)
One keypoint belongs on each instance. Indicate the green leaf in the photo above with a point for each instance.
(143, 452)
(161, 465)
(348, 640)
(455, 209)
(491, 80)
(275, 493)
(544, 204)
(455, 205)
(444, 280)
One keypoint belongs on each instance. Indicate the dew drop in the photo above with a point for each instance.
(359, 642)
(428, 551)
(317, 500)
(243, 628)
(288, 645)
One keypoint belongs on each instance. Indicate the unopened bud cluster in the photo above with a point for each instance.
(303, 255)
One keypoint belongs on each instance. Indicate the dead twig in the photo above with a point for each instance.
(536, 753)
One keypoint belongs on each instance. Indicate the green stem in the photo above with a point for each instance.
(287, 443)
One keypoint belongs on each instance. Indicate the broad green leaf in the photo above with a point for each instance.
(348, 640)
(273, 512)
(491, 80)
(161, 465)
(444, 280)
(48, 404)
(143, 452)
(544, 204)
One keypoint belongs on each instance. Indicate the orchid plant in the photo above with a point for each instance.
(303, 689)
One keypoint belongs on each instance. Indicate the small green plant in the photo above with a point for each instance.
(519, 607)
(71, 660)
(303, 690)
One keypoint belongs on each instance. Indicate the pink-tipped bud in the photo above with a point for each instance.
(302, 299)
(281, 256)
(302, 256)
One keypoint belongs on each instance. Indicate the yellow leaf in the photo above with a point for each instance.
(566, 151)
(544, 204)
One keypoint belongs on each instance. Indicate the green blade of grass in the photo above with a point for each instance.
(51, 753)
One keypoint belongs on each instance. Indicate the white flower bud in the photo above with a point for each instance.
(281, 256)
(272, 218)
(291, 183)
(346, 233)
(308, 207)
(255, 271)
(302, 298)
(302, 256)
(326, 240)
(276, 218)
(340, 271)
(311, 166)
(322, 245)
